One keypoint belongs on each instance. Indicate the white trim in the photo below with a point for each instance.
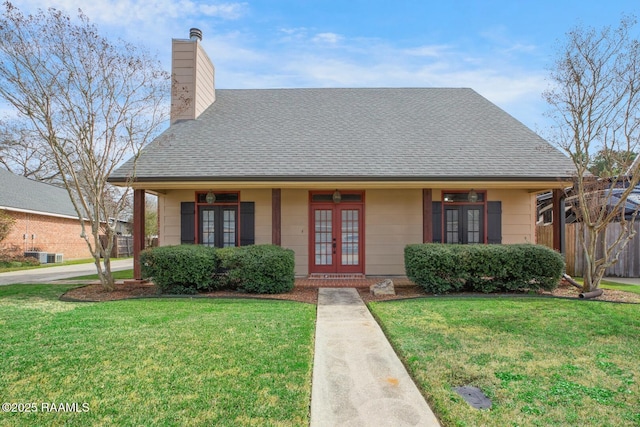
(7, 208)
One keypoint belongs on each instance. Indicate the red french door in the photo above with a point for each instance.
(337, 238)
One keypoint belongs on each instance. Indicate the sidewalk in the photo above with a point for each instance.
(48, 274)
(358, 379)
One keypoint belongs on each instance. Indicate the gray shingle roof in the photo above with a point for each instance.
(18, 192)
(307, 134)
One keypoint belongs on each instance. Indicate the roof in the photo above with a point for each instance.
(343, 134)
(23, 194)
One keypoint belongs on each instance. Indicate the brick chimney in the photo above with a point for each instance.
(193, 77)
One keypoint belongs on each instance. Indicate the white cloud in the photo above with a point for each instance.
(327, 38)
(433, 50)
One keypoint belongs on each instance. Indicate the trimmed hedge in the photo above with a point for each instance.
(441, 268)
(262, 269)
(188, 269)
(182, 269)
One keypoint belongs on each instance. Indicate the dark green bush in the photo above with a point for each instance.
(188, 269)
(183, 269)
(263, 269)
(442, 268)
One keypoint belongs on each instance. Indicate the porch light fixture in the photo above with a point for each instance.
(473, 196)
(337, 197)
(210, 198)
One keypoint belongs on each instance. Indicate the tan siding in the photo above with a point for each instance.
(204, 74)
(182, 69)
(518, 215)
(393, 219)
(194, 73)
(295, 227)
(169, 215)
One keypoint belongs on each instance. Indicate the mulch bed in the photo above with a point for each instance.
(307, 291)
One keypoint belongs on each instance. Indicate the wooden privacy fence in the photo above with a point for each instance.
(628, 264)
(122, 246)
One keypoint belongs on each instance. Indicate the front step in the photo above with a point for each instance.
(337, 276)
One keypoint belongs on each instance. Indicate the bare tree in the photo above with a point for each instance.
(24, 153)
(595, 103)
(92, 101)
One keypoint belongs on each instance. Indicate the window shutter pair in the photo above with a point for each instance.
(494, 222)
(188, 223)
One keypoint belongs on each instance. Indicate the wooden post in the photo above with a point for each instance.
(276, 216)
(427, 215)
(559, 221)
(138, 231)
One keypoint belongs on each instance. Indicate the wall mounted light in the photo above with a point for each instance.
(210, 198)
(473, 196)
(337, 197)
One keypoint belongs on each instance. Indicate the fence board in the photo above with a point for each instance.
(629, 260)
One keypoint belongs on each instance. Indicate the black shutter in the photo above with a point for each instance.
(247, 223)
(436, 218)
(494, 222)
(187, 223)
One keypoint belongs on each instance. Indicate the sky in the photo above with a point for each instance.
(504, 50)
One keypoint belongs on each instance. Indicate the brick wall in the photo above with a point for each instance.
(52, 234)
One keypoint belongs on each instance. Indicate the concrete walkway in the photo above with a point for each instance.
(48, 274)
(358, 379)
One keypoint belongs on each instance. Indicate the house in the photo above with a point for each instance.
(46, 220)
(344, 177)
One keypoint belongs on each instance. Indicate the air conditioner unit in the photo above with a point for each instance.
(54, 258)
(40, 256)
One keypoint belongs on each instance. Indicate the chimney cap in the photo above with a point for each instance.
(195, 34)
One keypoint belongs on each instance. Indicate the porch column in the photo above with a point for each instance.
(427, 216)
(558, 221)
(138, 231)
(276, 216)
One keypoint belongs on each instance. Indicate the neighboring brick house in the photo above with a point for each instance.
(45, 218)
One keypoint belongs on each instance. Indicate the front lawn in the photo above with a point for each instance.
(117, 275)
(543, 362)
(169, 362)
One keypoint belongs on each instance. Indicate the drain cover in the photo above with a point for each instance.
(474, 397)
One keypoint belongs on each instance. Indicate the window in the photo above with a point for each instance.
(218, 221)
(464, 214)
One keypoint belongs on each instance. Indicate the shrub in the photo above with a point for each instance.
(188, 269)
(442, 268)
(264, 269)
(183, 269)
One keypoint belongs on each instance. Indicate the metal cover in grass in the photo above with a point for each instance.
(474, 397)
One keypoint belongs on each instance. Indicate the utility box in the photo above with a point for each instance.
(40, 256)
(54, 258)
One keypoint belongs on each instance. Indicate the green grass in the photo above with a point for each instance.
(542, 361)
(164, 362)
(117, 275)
(605, 284)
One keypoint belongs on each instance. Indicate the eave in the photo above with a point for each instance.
(163, 184)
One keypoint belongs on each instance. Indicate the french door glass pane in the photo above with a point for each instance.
(208, 227)
(229, 228)
(452, 226)
(350, 237)
(473, 226)
(323, 236)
